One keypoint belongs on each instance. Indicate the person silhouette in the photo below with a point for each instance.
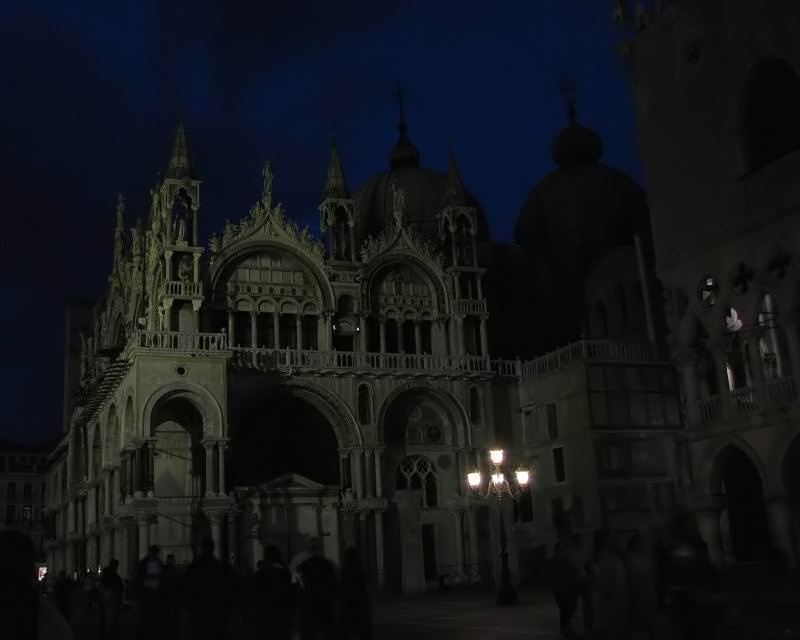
(272, 597)
(24, 613)
(210, 588)
(317, 577)
(112, 593)
(355, 611)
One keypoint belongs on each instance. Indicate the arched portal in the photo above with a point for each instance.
(745, 532)
(179, 478)
(286, 468)
(420, 475)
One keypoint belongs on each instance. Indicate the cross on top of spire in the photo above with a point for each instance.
(401, 125)
(570, 92)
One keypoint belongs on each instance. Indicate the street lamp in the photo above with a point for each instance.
(501, 483)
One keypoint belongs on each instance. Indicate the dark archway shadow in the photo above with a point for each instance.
(737, 479)
(282, 433)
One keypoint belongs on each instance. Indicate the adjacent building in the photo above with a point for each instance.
(22, 491)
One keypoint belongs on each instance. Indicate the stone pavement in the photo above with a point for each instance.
(760, 609)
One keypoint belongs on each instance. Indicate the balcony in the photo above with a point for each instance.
(588, 351)
(469, 306)
(172, 341)
(780, 393)
(181, 289)
(288, 361)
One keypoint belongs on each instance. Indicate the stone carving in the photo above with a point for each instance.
(270, 220)
(400, 240)
(399, 205)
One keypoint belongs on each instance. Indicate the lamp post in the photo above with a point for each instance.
(501, 483)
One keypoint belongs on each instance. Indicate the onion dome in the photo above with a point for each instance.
(576, 144)
(426, 193)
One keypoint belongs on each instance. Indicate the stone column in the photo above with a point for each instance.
(254, 329)
(138, 468)
(362, 334)
(382, 335)
(125, 549)
(401, 347)
(458, 535)
(216, 518)
(129, 477)
(107, 552)
(757, 369)
(71, 516)
(143, 524)
(150, 484)
(369, 472)
(298, 322)
(484, 338)
(417, 337)
(276, 329)
(462, 346)
(92, 515)
(781, 529)
(209, 446)
(233, 538)
(380, 569)
(725, 399)
(222, 445)
(378, 473)
(231, 328)
(474, 555)
(708, 526)
(357, 473)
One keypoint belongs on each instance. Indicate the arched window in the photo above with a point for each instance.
(418, 473)
(474, 405)
(772, 113)
(364, 401)
(772, 346)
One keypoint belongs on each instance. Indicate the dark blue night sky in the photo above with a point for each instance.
(92, 92)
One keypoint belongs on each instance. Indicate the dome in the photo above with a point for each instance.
(425, 190)
(582, 209)
(576, 145)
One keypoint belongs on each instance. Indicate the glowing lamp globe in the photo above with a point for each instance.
(498, 479)
(496, 456)
(474, 479)
(523, 477)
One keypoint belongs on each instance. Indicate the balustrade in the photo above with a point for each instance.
(469, 305)
(177, 341)
(583, 350)
(180, 289)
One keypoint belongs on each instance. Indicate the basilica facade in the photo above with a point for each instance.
(264, 387)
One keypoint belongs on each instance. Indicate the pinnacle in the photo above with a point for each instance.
(335, 186)
(454, 193)
(179, 165)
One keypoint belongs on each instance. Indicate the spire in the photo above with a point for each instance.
(335, 186)
(179, 166)
(120, 214)
(569, 89)
(454, 193)
(404, 153)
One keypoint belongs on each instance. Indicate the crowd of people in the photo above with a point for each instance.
(310, 597)
(647, 586)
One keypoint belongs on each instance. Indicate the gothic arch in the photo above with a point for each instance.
(224, 264)
(382, 264)
(336, 412)
(708, 471)
(206, 404)
(455, 411)
(112, 442)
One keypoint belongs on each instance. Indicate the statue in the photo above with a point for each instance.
(227, 235)
(136, 241)
(341, 233)
(266, 190)
(185, 269)
(120, 208)
(399, 201)
(215, 244)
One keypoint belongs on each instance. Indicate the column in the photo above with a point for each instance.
(781, 530)
(379, 550)
(150, 485)
(709, 528)
(378, 473)
(276, 329)
(129, 465)
(233, 538)
(759, 384)
(357, 475)
(462, 347)
(124, 558)
(215, 519)
(231, 328)
(222, 445)
(254, 329)
(458, 534)
(382, 324)
(71, 516)
(725, 399)
(479, 287)
(369, 472)
(298, 322)
(474, 556)
(209, 445)
(92, 515)
(196, 256)
(108, 544)
(362, 334)
(417, 337)
(143, 524)
(80, 507)
(401, 347)
(138, 461)
(107, 492)
(484, 338)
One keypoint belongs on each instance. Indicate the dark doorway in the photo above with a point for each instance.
(283, 433)
(740, 483)
(394, 553)
(429, 552)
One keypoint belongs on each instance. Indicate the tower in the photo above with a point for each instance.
(337, 212)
